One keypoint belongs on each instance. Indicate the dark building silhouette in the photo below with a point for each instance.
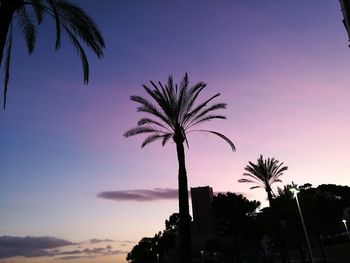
(202, 227)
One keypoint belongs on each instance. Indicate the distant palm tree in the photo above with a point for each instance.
(67, 17)
(175, 115)
(264, 174)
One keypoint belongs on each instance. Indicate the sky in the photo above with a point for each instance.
(67, 176)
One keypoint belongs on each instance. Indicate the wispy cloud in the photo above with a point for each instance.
(140, 194)
(95, 240)
(90, 252)
(73, 257)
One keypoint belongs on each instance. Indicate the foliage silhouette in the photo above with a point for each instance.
(322, 209)
(337, 191)
(68, 18)
(172, 223)
(234, 218)
(175, 115)
(144, 251)
(234, 213)
(162, 243)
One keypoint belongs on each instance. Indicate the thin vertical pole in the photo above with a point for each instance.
(305, 231)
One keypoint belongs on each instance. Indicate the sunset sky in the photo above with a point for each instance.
(283, 68)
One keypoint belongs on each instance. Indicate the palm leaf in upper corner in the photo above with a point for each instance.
(28, 28)
(7, 65)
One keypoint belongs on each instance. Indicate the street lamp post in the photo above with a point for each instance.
(202, 253)
(295, 192)
(346, 228)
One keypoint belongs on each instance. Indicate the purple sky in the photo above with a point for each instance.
(282, 67)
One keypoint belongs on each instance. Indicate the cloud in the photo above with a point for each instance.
(71, 252)
(126, 241)
(48, 247)
(30, 246)
(73, 257)
(140, 194)
(33, 242)
(95, 240)
(89, 253)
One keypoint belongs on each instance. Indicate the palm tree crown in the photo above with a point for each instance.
(263, 174)
(177, 114)
(68, 18)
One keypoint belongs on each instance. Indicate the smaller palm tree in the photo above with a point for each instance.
(264, 173)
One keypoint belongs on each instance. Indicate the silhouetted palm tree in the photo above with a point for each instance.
(175, 115)
(264, 173)
(68, 18)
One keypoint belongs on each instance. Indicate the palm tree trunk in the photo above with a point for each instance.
(185, 220)
(269, 197)
(7, 9)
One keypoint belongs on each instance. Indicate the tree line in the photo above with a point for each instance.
(252, 232)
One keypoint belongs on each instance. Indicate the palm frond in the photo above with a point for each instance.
(193, 113)
(81, 24)
(207, 110)
(81, 53)
(151, 138)
(162, 101)
(244, 180)
(256, 177)
(253, 180)
(205, 119)
(182, 100)
(255, 187)
(222, 137)
(254, 171)
(28, 29)
(7, 65)
(187, 143)
(56, 16)
(193, 94)
(140, 130)
(147, 121)
(148, 107)
(277, 180)
(38, 10)
(166, 138)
